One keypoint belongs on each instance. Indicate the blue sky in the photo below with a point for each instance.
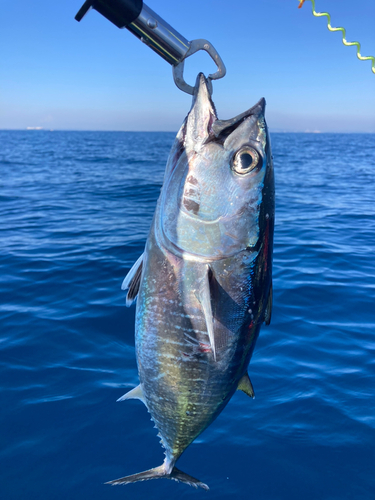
(57, 73)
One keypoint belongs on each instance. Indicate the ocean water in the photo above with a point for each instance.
(75, 209)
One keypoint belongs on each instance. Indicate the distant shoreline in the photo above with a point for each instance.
(41, 129)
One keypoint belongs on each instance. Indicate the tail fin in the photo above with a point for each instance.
(157, 473)
(178, 475)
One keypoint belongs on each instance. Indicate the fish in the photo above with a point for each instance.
(203, 285)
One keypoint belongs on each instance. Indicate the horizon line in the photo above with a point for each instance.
(273, 131)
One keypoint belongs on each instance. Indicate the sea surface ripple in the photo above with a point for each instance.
(75, 210)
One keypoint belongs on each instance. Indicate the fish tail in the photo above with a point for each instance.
(157, 473)
(178, 475)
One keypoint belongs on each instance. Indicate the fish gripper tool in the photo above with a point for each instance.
(151, 29)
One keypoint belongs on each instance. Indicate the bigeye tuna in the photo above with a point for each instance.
(204, 281)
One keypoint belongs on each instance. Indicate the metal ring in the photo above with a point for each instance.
(194, 46)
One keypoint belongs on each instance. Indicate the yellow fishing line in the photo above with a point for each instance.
(344, 41)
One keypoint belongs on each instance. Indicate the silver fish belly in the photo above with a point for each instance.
(204, 282)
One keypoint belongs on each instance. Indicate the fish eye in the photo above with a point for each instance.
(245, 160)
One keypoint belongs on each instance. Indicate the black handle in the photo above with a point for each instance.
(120, 12)
(146, 25)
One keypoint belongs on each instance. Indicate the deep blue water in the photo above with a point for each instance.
(75, 208)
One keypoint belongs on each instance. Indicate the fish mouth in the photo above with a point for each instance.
(221, 129)
(202, 124)
(202, 94)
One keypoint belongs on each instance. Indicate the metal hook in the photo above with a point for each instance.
(195, 46)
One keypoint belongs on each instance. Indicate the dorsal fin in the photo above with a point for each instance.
(204, 297)
(246, 386)
(132, 281)
(268, 313)
(136, 393)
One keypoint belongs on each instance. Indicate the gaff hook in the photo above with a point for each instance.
(151, 29)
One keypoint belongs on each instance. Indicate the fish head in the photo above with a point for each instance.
(214, 186)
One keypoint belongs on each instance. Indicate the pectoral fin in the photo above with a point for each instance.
(246, 386)
(136, 393)
(204, 297)
(132, 281)
(267, 317)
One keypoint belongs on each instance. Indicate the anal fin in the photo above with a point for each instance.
(246, 386)
(136, 393)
